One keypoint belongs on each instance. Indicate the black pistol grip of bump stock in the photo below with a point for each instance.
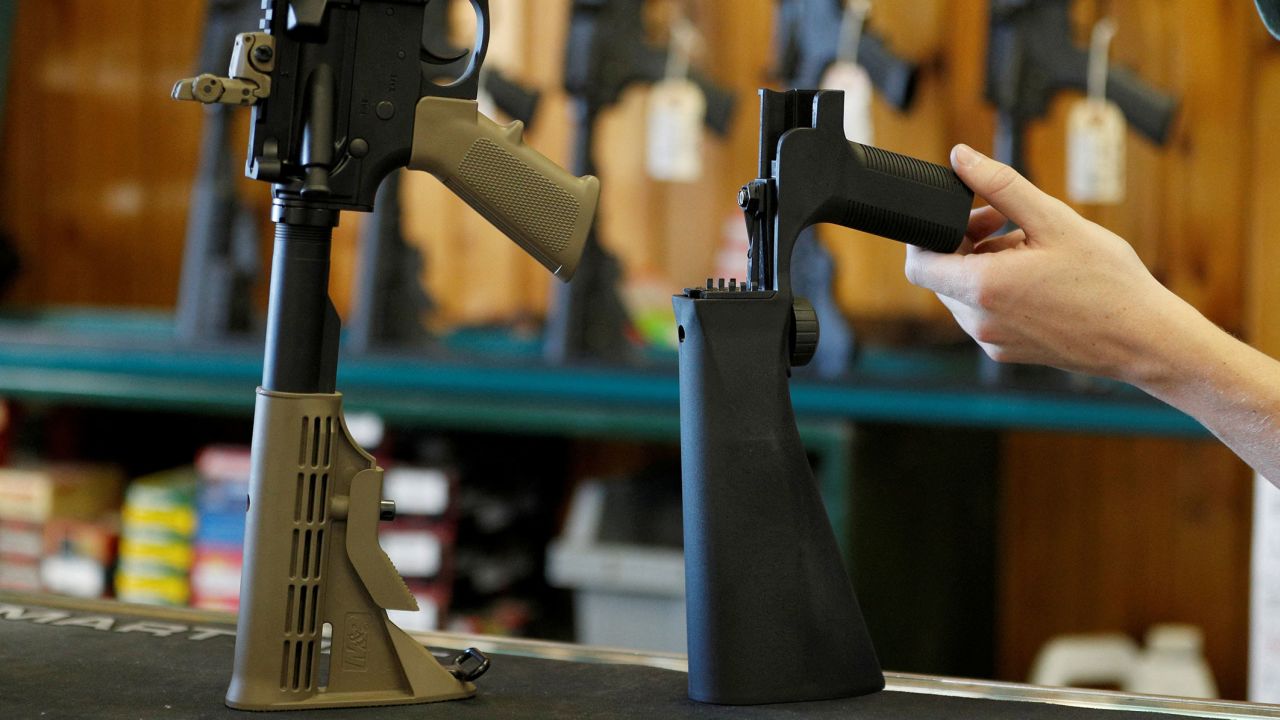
(824, 178)
(900, 198)
(821, 177)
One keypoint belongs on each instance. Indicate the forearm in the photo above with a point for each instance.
(1231, 388)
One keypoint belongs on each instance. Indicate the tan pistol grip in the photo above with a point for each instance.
(543, 208)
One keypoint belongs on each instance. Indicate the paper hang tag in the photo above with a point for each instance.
(1096, 152)
(854, 81)
(676, 111)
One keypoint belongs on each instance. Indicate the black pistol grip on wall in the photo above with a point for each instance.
(514, 100)
(1150, 110)
(1031, 57)
(772, 615)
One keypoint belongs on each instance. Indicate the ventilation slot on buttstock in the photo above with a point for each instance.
(298, 662)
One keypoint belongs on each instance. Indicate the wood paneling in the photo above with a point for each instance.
(1264, 236)
(98, 165)
(869, 275)
(1115, 534)
(97, 162)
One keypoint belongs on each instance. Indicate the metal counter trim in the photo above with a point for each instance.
(549, 650)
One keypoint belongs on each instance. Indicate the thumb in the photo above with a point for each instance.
(1007, 191)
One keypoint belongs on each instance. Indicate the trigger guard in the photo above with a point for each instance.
(468, 78)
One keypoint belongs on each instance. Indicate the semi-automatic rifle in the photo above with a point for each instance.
(772, 615)
(810, 36)
(1031, 57)
(10, 261)
(220, 263)
(607, 52)
(344, 92)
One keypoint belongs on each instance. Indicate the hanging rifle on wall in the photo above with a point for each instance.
(607, 52)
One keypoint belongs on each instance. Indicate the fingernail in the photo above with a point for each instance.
(965, 156)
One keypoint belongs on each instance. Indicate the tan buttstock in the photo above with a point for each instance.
(312, 559)
(543, 208)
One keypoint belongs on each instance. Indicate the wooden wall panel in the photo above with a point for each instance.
(1264, 235)
(869, 270)
(1107, 534)
(1188, 203)
(97, 163)
(1263, 297)
(1115, 534)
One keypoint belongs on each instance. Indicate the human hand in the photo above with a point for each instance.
(1059, 290)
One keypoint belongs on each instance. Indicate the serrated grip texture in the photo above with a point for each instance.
(529, 207)
(925, 173)
(544, 209)
(900, 226)
(904, 199)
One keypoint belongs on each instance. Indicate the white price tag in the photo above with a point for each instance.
(1096, 152)
(676, 111)
(854, 81)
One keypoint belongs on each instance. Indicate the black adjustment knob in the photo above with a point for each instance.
(387, 510)
(804, 332)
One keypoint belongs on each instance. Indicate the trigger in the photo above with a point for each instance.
(430, 57)
(436, 49)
